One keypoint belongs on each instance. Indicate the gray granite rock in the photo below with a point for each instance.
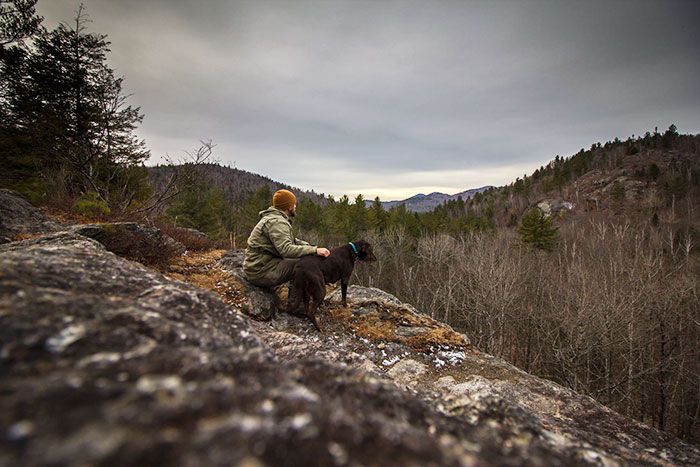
(407, 372)
(360, 293)
(260, 303)
(554, 207)
(17, 216)
(105, 362)
(410, 331)
(195, 233)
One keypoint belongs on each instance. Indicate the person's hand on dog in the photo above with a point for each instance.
(323, 252)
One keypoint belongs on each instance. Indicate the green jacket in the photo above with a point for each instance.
(271, 241)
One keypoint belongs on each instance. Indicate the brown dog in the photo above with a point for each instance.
(312, 273)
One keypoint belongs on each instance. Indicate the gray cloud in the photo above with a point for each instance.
(396, 97)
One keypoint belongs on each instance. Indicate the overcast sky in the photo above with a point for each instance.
(393, 98)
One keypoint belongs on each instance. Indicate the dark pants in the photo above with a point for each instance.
(283, 272)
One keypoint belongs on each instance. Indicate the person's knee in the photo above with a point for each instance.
(286, 269)
(259, 282)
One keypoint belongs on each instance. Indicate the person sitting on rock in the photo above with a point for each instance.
(273, 250)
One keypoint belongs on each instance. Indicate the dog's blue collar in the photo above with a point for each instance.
(354, 248)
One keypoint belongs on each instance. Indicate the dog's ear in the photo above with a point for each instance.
(361, 253)
(364, 250)
(367, 251)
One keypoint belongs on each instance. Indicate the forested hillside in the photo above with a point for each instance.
(222, 202)
(650, 178)
(236, 185)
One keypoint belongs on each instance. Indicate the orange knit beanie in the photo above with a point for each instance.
(284, 200)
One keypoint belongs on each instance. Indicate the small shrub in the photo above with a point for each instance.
(91, 206)
(192, 239)
(34, 189)
(618, 191)
(147, 245)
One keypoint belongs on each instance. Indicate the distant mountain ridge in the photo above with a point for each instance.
(237, 185)
(424, 203)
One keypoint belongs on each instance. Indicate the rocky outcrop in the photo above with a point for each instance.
(147, 245)
(379, 316)
(258, 303)
(356, 293)
(104, 361)
(605, 190)
(17, 217)
(198, 234)
(553, 207)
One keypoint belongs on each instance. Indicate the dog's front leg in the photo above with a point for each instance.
(344, 291)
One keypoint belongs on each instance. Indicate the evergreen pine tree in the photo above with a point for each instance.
(64, 110)
(538, 231)
(618, 191)
(309, 216)
(342, 219)
(377, 216)
(18, 21)
(250, 212)
(201, 209)
(358, 217)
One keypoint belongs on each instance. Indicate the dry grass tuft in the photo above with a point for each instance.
(27, 236)
(201, 269)
(379, 321)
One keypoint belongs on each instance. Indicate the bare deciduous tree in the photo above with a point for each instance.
(612, 313)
